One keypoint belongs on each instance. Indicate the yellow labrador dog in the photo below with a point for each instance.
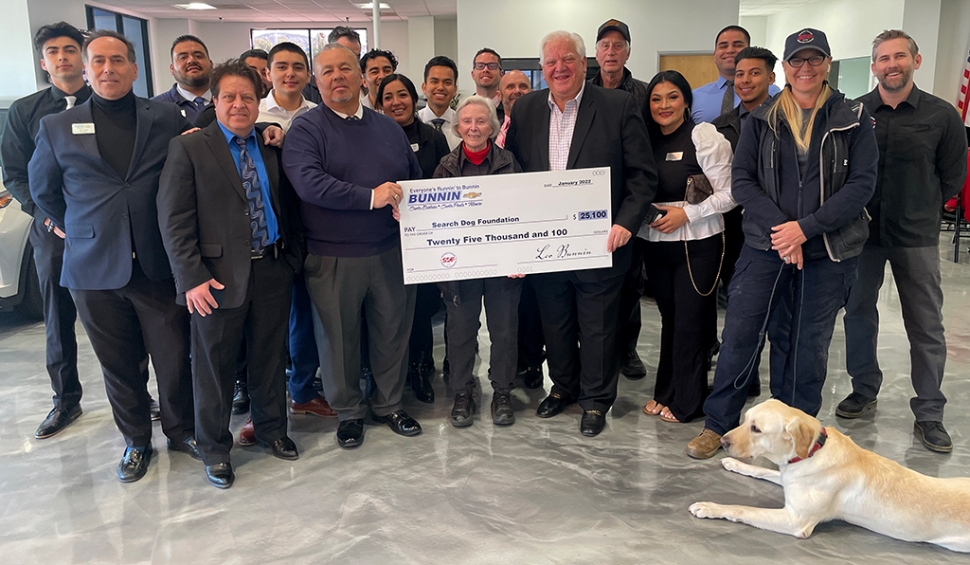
(826, 476)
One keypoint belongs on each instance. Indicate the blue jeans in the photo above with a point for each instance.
(303, 346)
(760, 283)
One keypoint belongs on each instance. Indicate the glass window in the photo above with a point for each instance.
(311, 40)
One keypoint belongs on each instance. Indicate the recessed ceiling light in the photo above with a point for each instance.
(370, 6)
(194, 6)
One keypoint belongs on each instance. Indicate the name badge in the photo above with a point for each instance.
(676, 156)
(82, 129)
(414, 147)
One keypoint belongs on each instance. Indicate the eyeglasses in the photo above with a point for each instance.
(814, 61)
(481, 66)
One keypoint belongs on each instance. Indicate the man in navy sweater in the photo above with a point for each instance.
(344, 161)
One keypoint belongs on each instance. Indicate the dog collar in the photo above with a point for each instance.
(822, 436)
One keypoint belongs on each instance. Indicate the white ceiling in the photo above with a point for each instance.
(293, 11)
(346, 10)
(768, 7)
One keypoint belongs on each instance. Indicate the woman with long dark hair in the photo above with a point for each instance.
(804, 170)
(684, 248)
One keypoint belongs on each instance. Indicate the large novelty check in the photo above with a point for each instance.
(497, 225)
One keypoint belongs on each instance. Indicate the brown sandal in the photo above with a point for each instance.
(656, 409)
(667, 416)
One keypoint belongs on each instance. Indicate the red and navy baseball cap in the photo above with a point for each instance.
(807, 38)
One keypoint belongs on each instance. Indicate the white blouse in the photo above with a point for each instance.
(714, 156)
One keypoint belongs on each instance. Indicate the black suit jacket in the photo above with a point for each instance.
(106, 217)
(203, 213)
(609, 133)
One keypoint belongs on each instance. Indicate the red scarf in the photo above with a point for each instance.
(478, 157)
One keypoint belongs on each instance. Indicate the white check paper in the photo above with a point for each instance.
(498, 225)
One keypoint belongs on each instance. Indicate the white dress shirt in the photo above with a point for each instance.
(562, 123)
(207, 95)
(426, 114)
(703, 220)
(271, 111)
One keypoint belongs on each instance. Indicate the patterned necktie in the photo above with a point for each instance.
(199, 102)
(257, 213)
(727, 103)
(70, 101)
(438, 122)
(352, 118)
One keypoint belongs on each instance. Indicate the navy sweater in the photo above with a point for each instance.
(334, 164)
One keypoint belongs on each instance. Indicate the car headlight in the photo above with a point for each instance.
(5, 199)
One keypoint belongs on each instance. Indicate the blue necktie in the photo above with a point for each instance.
(199, 102)
(257, 213)
(437, 123)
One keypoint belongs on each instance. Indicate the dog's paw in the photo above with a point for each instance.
(731, 464)
(705, 510)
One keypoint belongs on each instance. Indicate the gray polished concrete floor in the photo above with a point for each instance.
(536, 493)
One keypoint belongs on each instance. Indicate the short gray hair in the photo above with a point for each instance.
(481, 101)
(563, 35)
(98, 34)
(890, 34)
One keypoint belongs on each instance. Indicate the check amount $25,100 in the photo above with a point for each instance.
(497, 225)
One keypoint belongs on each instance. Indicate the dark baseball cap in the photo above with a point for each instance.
(613, 25)
(807, 38)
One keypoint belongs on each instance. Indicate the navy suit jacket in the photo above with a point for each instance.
(106, 217)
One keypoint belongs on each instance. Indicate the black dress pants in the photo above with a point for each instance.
(60, 314)
(426, 305)
(628, 323)
(686, 319)
(531, 340)
(579, 324)
(464, 302)
(262, 321)
(127, 325)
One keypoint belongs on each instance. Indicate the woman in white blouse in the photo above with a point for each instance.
(684, 248)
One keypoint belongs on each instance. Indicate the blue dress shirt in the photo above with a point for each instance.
(707, 100)
(272, 225)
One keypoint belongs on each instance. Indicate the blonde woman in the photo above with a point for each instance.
(804, 169)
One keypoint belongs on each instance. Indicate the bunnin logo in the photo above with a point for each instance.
(449, 260)
(444, 194)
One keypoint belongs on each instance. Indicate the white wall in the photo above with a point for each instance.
(19, 53)
(952, 48)
(656, 26)
(921, 20)
(445, 40)
(394, 38)
(161, 35)
(757, 27)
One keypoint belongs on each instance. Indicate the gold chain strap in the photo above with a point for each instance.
(690, 272)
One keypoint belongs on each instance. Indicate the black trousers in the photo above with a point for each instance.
(262, 322)
(501, 297)
(531, 340)
(60, 314)
(426, 305)
(579, 324)
(628, 322)
(127, 325)
(686, 320)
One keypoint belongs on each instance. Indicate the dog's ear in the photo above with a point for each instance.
(803, 435)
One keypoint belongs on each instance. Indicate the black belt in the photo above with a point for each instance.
(274, 250)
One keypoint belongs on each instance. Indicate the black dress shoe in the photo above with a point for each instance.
(532, 377)
(592, 423)
(283, 448)
(854, 406)
(134, 464)
(57, 419)
(633, 367)
(552, 406)
(155, 409)
(187, 446)
(220, 475)
(933, 436)
(502, 413)
(400, 423)
(461, 413)
(240, 398)
(420, 385)
(350, 433)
